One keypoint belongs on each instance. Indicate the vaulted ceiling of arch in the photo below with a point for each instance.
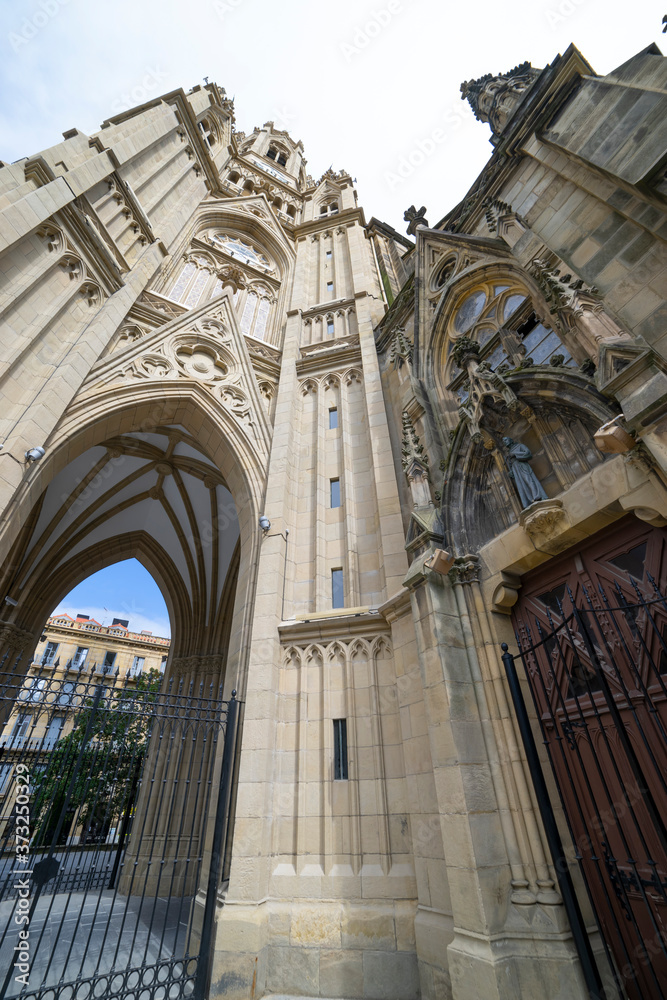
(160, 484)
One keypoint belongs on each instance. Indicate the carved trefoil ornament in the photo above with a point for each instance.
(415, 464)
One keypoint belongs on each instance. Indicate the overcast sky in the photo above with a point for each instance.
(363, 84)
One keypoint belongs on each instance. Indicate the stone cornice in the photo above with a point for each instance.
(345, 625)
(347, 217)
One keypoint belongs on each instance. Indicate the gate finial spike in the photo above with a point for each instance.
(234, 694)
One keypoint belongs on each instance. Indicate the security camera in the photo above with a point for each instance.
(34, 454)
(12, 601)
(264, 523)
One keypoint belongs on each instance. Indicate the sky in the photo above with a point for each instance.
(363, 84)
(125, 590)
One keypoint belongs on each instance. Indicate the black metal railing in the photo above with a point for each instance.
(596, 667)
(107, 828)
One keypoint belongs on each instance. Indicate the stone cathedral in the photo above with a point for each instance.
(357, 462)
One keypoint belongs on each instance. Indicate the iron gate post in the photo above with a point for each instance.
(207, 950)
(570, 902)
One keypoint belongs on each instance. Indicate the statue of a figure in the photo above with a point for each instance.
(527, 484)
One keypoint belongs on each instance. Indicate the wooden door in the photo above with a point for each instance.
(592, 626)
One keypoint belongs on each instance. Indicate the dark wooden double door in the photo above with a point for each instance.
(592, 625)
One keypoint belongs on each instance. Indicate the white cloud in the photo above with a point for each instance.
(288, 61)
(137, 621)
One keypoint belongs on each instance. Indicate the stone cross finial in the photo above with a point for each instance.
(415, 219)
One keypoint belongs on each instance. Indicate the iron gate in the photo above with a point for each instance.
(114, 811)
(596, 666)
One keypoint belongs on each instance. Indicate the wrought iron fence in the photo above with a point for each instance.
(105, 839)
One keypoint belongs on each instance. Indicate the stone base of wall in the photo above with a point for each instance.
(360, 951)
(508, 967)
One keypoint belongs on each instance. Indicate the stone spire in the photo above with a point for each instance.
(494, 99)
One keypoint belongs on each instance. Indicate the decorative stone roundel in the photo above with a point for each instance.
(201, 362)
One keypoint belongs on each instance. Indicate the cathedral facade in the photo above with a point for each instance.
(356, 461)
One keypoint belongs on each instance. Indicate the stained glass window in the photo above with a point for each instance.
(262, 317)
(198, 287)
(181, 282)
(248, 313)
(241, 251)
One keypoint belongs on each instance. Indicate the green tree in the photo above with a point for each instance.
(92, 772)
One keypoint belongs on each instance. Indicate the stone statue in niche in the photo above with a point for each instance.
(527, 484)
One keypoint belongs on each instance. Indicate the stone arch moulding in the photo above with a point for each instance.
(235, 394)
(228, 215)
(556, 418)
(142, 411)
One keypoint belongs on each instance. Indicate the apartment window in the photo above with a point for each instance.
(340, 749)
(333, 418)
(79, 658)
(5, 775)
(330, 287)
(21, 726)
(53, 732)
(137, 666)
(337, 589)
(163, 664)
(49, 654)
(334, 492)
(330, 327)
(109, 660)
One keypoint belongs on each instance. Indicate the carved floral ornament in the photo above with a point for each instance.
(202, 354)
(72, 264)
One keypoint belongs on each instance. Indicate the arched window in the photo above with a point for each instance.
(208, 132)
(239, 250)
(277, 154)
(234, 176)
(329, 209)
(499, 316)
(255, 317)
(194, 284)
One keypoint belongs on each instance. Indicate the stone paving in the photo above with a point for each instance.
(87, 934)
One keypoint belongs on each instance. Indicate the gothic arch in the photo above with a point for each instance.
(90, 430)
(484, 273)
